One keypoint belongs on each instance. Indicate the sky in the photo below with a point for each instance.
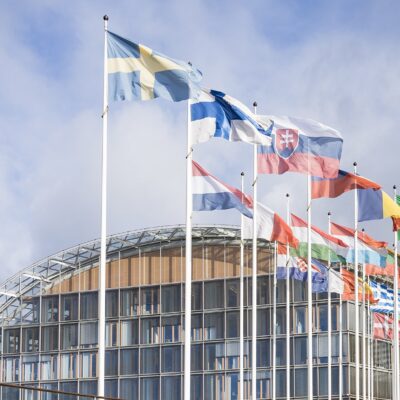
(333, 61)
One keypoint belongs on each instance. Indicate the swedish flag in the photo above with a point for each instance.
(136, 72)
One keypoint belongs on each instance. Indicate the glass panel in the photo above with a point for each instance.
(213, 326)
(129, 332)
(150, 301)
(112, 333)
(232, 293)
(232, 324)
(214, 294)
(171, 298)
(196, 358)
(69, 336)
(264, 353)
(129, 362)
(300, 350)
(88, 387)
(88, 365)
(68, 366)
(89, 334)
(171, 359)
(150, 330)
(111, 387)
(280, 321)
(214, 356)
(214, 387)
(171, 387)
(197, 296)
(128, 388)
(49, 338)
(69, 307)
(300, 320)
(11, 369)
(299, 290)
(263, 290)
(112, 303)
(263, 322)
(111, 362)
(150, 388)
(263, 384)
(171, 327)
(89, 305)
(129, 302)
(300, 386)
(30, 368)
(323, 318)
(280, 352)
(50, 309)
(48, 369)
(12, 340)
(150, 360)
(196, 387)
(197, 327)
(71, 387)
(232, 355)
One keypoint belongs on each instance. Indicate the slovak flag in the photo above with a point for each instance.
(301, 145)
(209, 193)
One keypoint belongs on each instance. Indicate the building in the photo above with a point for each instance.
(49, 317)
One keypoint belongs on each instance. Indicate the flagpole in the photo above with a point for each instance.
(274, 325)
(340, 344)
(287, 305)
(309, 293)
(241, 302)
(329, 321)
(364, 327)
(396, 310)
(188, 259)
(369, 348)
(372, 352)
(103, 237)
(254, 276)
(356, 285)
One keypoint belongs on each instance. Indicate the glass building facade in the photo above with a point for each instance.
(49, 331)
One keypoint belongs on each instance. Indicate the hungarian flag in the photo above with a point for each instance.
(334, 187)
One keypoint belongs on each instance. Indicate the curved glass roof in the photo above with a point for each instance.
(32, 280)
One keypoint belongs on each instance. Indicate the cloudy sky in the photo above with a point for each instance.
(336, 62)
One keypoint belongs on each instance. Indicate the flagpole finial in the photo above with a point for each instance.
(287, 195)
(105, 17)
(355, 163)
(329, 213)
(394, 187)
(254, 104)
(242, 173)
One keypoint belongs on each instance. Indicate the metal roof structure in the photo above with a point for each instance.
(31, 280)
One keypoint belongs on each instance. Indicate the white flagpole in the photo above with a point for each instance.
(369, 349)
(287, 305)
(372, 355)
(329, 321)
(241, 302)
(309, 293)
(340, 344)
(103, 237)
(356, 286)
(364, 328)
(274, 324)
(188, 259)
(254, 277)
(396, 312)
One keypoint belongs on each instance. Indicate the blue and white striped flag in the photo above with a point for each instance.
(214, 114)
(385, 298)
(136, 72)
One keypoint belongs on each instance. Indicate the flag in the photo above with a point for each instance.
(136, 72)
(301, 145)
(209, 193)
(297, 269)
(376, 204)
(344, 182)
(397, 223)
(322, 244)
(349, 288)
(336, 284)
(384, 296)
(215, 114)
(270, 226)
(366, 254)
(383, 326)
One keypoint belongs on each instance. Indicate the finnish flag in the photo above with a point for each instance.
(215, 114)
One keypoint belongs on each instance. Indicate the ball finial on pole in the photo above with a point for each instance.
(287, 195)
(329, 213)
(242, 173)
(355, 163)
(394, 187)
(105, 17)
(254, 104)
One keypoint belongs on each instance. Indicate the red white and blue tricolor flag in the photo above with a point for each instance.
(209, 193)
(301, 145)
(344, 182)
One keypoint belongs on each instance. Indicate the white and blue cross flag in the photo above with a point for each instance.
(215, 114)
(136, 72)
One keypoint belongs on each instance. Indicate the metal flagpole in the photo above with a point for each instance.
(188, 259)
(274, 325)
(369, 348)
(309, 293)
(396, 312)
(287, 305)
(364, 328)
(254, 277)
(356, 286)
(329, 321)
(103, 237)
(372, 355)
(241, 302)
(340, 345)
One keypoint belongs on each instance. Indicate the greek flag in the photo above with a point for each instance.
(214, 114)
(385, 298)
(136, 72)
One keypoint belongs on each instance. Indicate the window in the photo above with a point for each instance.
(322, 348)
(89, 334)
(171, 387)
(31, 310)
(196, 358)
(111, 387)
(12, 340)
(150, 331)
(263, 290)
(214, 294)
(197, 296)
(171, 298)
(300, 385)
(112, 333)
(30, 368)
(71, 387)
(112, 303)
(150, 388)
(263, 384)
(263, 322)
(281, 291)
(129, 302)
(323, 318)
(232, 293)
(197, 326)
(300, 320)
(69, 307)
(150, 301)
(111, 362)
(68, 366)
(69, 336)
(280, 352)
(129, 362)
(214, 356)
(213, 326)
(171, 359)
(88, 364)
(171, 329)
(232, 355)
(48, 367)
(196, 387)
(50, 309)
(11, 369)
(150, 360)
(299, 290)
(214, 387)
(87, 387)
(232, 324)
(128, 388)
(129, 332)
(49, 338)
(300, 350)
(264, 352)
(89, 306)
(280, 321)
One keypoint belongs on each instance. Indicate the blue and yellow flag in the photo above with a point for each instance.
(136, 72)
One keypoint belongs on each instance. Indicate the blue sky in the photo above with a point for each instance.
(333, 61)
